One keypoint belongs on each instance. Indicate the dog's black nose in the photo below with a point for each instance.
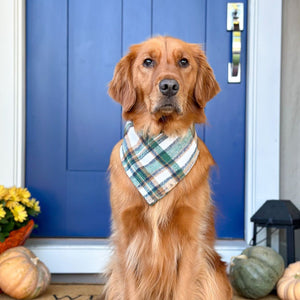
(169, 87)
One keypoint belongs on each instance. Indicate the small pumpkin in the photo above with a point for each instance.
(22, 274)
(255, 272)
(288, 286)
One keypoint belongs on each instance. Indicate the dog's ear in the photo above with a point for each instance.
(206, 85)
(121, 86)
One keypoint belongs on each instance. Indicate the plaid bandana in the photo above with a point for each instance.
(156, 164)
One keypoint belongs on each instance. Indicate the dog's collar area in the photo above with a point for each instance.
(155, 164)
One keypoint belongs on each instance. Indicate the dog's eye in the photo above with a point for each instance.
(148, 63)
(183, 63)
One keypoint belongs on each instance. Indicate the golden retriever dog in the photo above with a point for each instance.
(165, 250)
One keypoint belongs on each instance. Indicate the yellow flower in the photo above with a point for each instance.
(25, 201)
(35, 205)
(19, 212)
(12, 194)
(2, 212)
(11, 204)
(3, 192)
(23, 193)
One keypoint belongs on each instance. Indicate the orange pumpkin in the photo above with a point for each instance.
(288, 286)
(22, 274)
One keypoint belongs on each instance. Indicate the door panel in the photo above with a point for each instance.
(94, 47)
(72, 124)
(225, 131)
(46, 109)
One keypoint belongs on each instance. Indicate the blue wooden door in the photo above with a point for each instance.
(72, 124)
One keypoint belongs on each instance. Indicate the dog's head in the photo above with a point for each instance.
(163, 84)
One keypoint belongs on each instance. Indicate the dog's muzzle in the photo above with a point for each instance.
(168, 102)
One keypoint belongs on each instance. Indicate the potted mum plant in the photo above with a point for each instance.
(16, 209)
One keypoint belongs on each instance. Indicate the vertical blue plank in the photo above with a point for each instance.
(136, 22)
(182, 19)
(94, 49)
(93, 118)
(46, 74)
(225, 134)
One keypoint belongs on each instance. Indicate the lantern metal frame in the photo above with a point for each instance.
(281, 214)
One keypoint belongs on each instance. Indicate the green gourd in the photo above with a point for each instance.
(255, 272)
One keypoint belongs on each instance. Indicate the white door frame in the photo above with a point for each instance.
(262, 129)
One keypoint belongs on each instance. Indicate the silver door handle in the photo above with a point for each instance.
(235, 23)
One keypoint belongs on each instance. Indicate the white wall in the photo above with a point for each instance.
(290, 107)
(12, 95)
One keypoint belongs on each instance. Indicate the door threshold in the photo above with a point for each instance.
(91, 256)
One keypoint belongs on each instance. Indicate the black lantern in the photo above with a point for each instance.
(281, 214)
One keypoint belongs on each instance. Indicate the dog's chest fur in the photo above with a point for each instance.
(155, 235)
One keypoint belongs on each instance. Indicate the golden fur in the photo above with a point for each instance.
(165, 251)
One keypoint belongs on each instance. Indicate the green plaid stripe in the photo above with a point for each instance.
(156, 164)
